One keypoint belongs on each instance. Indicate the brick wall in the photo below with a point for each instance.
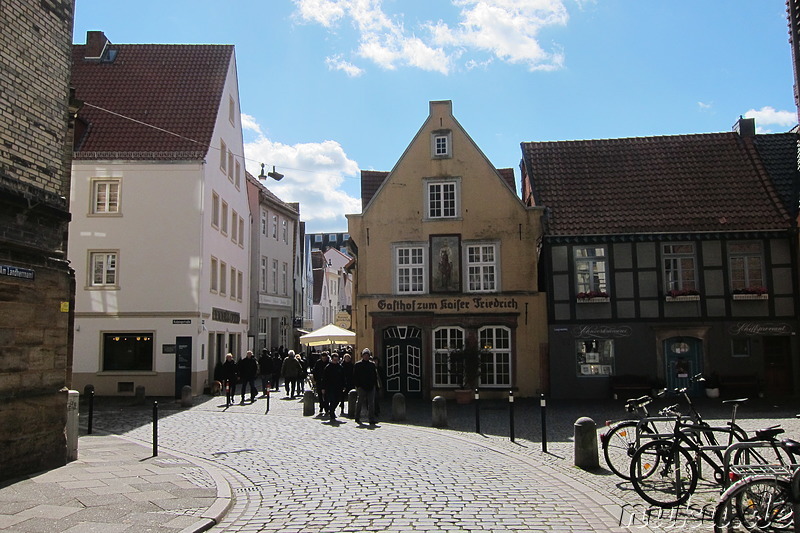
(35, 330)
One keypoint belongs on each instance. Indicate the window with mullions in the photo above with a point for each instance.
(442, 199)
(591, 272)
(747, 265)
(495, 341)
(679, 267)
(127, 351)
(481, 267)
(103, 268)
(105, 197)
(595, 357)
(410, 269)
(441, 144)
(444, 340)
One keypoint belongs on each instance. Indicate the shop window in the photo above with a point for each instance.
(127, 351)
(444, 340)
(495, 342)
(740, 347)
(595, 357)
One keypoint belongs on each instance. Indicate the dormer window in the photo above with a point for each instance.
(441, 144)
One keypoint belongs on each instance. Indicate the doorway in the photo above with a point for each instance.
(402, 355)
(777, 366)
(683, 357)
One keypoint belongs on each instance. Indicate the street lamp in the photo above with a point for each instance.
(277, 176)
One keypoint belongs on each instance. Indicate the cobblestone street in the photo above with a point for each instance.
(294, 473)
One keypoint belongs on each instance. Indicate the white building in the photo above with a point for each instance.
(332, 287)
(159, 237)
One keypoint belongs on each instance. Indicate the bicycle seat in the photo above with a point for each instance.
(736, 401)
(769, 433)
(636, 403)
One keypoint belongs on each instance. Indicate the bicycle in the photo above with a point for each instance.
(663, 471)
(622, 438)
(765, 497)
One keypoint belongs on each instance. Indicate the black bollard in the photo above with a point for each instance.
(477, 410)
(155, 429)
(266, 393)
(543, 406)
(91, 411)
(511, 413)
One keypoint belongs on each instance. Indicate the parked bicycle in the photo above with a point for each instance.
(664, 472)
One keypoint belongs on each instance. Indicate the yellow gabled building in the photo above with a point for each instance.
(446, 254)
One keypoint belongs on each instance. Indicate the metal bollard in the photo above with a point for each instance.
(477, 410)
(266, 394)
(511, 414)
(155, 429)
(91, 411)
(543, 408)
(439, 412)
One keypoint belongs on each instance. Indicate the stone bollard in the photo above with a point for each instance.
(586, 443)
(186, 396)
(73, 397)
(439, 412)
(140, 397)
(398, 407)
(352, 398)
(309, 403)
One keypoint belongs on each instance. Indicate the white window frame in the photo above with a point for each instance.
(442, 144)
(234, 226)
(230, 165)
(223, 277)
(233, 283)
(264, 222)
(317, 238)
(442, 199)
(241, 232)
(285, 278)
(591, 269)
(223, 156)
(410, 268)
(274, 276)
(237, 179)
(239, 285)
(275, 227)
(108, 262)
(224, 218)
(285, 229)
(445, 339)
(105, 196)
(483, 274)
(746, 257)
(264, 269)
(232, 110)
(496, 362)
(679, 266)
(215, 210)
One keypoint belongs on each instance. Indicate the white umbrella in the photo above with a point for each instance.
(330, 334)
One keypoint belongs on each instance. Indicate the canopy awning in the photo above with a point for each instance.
(330, 334)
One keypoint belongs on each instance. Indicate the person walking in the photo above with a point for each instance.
(347, 366)
(229, 375)
(333, 384)
(301, 377)
(290, 370)
(316, 374)
(248, 370)
(265, 369)
(365, 379)
(277, 362)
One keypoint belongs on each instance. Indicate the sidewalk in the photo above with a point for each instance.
(116, 485)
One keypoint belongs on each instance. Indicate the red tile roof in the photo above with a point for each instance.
(682, 183)
(177, 88)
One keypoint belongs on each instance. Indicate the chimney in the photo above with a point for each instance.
(96, 42)
(745, 127)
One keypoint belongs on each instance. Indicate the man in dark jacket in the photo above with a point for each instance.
(229, 375)
(365, 379)
(248, 370)
(316, 372)
(333, 384)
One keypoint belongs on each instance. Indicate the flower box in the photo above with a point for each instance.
(595, 300)
(751, 296)
(684, 298)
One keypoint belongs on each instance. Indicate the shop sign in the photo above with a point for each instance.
(756, 328)
(343, 319)
(601, 332)
(477, 303)
(223, 315)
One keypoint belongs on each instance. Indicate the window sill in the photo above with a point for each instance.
(687, 298)
(751, 296)
(596, 300)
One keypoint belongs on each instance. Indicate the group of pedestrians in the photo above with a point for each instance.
(334, 375)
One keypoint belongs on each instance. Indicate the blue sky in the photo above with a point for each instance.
(329, 87)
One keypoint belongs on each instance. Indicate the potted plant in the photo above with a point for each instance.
(465, 362)
(711, 383)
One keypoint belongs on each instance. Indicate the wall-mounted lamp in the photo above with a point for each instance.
(277, 176)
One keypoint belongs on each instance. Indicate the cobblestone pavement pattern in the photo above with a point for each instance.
(294, 473)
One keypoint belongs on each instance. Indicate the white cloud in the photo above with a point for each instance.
(249, 123)
(769, 116)
(505, 29)
(337, 63)
(314, 175)
(704, 106)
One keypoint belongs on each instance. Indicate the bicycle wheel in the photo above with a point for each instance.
(756, 503)
(663, 473)
(619, 445)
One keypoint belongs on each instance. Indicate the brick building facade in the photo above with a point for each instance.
(36, 283)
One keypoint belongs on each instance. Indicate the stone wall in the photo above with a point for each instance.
(36, 284)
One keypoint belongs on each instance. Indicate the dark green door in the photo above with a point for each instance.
(684, 359)
(402, 359)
